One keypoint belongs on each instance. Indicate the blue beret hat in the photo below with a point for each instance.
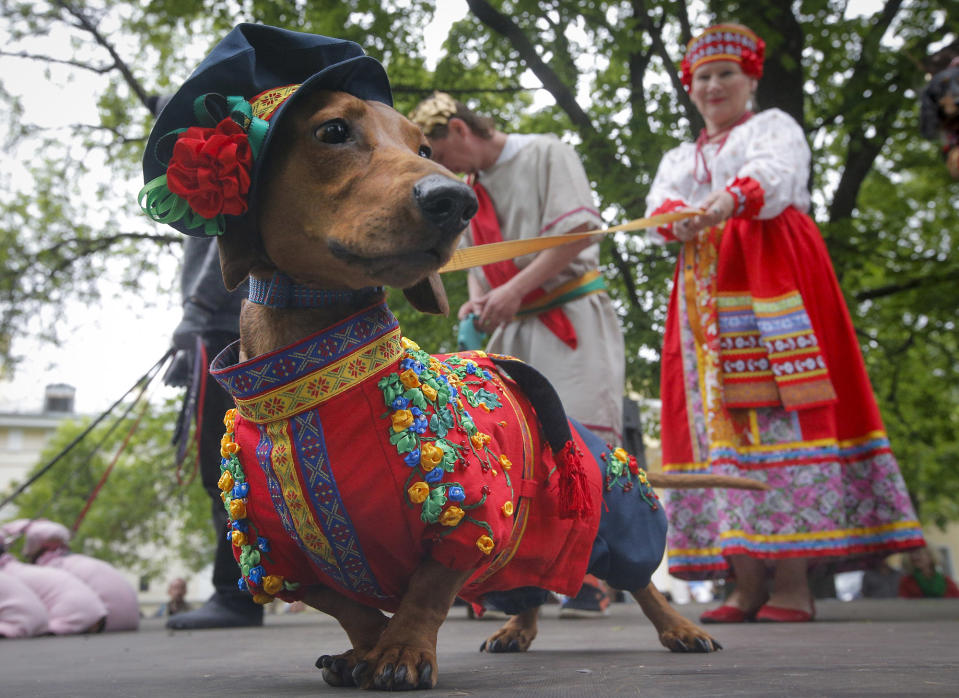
(249, 79)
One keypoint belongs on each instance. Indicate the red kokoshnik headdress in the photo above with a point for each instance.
(724, 42)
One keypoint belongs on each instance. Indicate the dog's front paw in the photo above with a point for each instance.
(338, 668)
(686, 636)
(397, 668)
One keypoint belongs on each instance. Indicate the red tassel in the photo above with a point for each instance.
(574, 501)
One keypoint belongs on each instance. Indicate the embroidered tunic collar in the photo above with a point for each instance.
(303, 375)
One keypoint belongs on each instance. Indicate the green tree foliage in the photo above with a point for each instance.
(145, 513)
(881, 195)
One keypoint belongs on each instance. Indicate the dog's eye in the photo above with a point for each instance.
(426, 152)
(333, 131)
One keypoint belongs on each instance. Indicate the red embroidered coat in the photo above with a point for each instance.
(352, 455)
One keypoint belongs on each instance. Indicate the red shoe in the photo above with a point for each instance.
(777, 614)
(726, 614)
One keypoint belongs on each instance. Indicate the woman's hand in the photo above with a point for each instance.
(719, 206)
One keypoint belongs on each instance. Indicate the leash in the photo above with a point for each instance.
(480, 255)
(116, 456)
(69, 447)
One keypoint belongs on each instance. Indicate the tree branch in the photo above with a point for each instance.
(642, 15)
(894, 288)
(87, 25)
(425, 91)
(503, 25)
(62, 61)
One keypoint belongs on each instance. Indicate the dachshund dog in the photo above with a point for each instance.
(350, 199)
(360, 473)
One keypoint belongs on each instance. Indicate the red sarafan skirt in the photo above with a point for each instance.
(762, 377)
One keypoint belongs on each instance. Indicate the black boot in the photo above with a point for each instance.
(220, 611)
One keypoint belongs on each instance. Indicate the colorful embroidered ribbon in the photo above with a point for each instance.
(585, 285)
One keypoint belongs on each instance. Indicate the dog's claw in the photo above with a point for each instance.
(483, 646)
(401, 679)
(426, 675)
(494, 646)
(513, 646)
(358, 672)
(681, 646)
(704, 646)
(716, 645)
(338, 665)
(385, 678)
(323, 661)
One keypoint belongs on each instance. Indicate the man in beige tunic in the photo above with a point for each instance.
(549, 309)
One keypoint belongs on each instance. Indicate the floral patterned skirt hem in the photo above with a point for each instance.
(846, 511)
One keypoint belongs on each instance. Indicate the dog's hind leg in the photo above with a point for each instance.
(516, 635)
(675, 632)
(363, 626)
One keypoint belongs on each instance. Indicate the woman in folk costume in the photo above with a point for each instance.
(549, 309)
(761, 372)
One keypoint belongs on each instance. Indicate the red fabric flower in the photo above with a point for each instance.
(210, 168)
(687, 74)
(752, 61)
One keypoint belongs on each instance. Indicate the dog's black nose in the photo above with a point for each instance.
(446, 203)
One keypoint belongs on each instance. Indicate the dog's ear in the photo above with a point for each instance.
(428, 296)
(240, 250)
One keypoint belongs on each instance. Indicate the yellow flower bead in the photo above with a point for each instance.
(262, 598)
(430, 393)
(418, 492)
(507, 509)
(452, 516)
(272, 583)
(238, 509)
(505, 462)
(239, 539)
(408, 343)
(621, 455)
(485, 544)
(402, 419)
(409, 378)
(225, 482)
(229, 416)
(430, 456)
(479, 440)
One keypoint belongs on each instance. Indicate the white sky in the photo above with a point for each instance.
(113, 344)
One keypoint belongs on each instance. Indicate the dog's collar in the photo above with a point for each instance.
(280, 291)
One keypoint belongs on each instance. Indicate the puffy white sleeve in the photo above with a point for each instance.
(670, 189)
(778, 159)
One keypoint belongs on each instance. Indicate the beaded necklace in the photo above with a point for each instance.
(703, 139)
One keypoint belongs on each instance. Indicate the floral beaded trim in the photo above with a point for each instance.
(427, 398)
(234, 490)
(624, 472)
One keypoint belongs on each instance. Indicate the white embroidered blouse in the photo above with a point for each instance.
(770, 148)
